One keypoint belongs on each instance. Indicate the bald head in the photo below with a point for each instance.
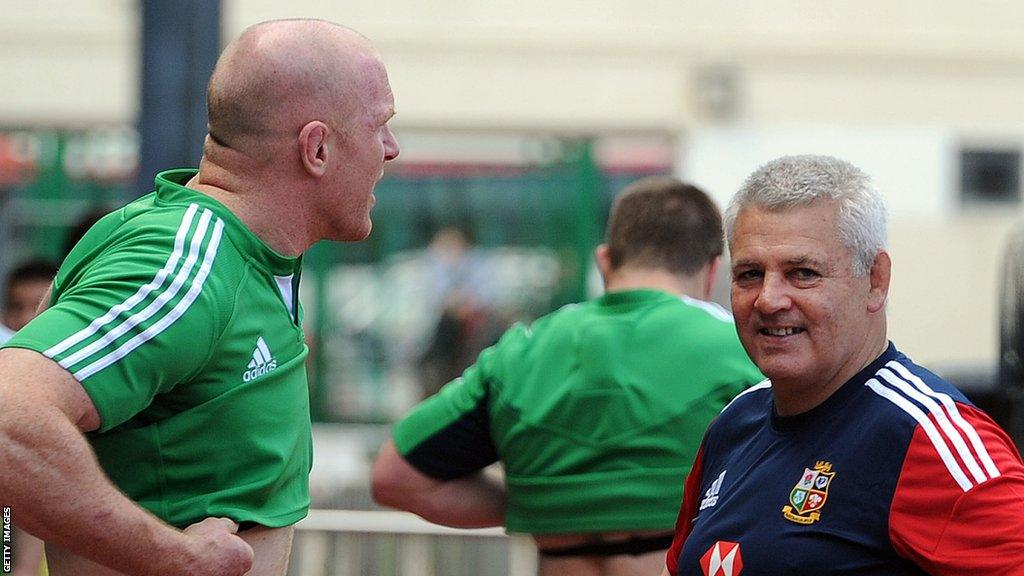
(281, 74)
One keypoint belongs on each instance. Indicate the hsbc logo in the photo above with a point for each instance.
(722, 559)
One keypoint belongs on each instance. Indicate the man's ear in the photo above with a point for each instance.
(881, 271)
(603, 257)
(708, 284)
(313, 148)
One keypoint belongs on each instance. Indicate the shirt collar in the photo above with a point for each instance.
(170, 187)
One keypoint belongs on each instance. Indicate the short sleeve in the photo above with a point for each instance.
(687, 512)
(134, 320)
(961, 512)
(449, 434)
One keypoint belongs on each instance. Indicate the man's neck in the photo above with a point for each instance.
(655, 279)
(257, 208)
(797, 397)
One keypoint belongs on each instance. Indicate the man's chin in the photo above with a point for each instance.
(355, 234)
(780, 369)
(362, 235)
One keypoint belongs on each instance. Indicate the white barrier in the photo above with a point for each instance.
(415, 553)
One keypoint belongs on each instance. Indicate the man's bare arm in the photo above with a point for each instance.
(476, 501)
(58, 491)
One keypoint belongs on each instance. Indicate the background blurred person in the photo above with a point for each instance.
(461, 284)
(593, 409)
(25, 288)
(173, 336)
(80, 226)
(851, 459)
(1011, 332)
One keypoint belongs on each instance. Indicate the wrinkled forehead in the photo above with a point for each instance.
(803, 231)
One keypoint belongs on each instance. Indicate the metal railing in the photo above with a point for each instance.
(350, 543)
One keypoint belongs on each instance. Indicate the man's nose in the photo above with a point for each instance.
(390, 145)
(773, 296)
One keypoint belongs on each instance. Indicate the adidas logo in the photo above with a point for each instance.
(711, 496)
(261, 363)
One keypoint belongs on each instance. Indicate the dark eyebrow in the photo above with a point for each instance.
(798, 262)
(801, 260)
(806, 261)
(823, 267)
(744, 264)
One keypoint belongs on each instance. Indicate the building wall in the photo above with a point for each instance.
(68, 64)
(607, 64)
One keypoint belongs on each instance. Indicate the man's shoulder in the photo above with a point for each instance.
(913, 382)
(664, 306)
(147, 218)
(899, 397)
(711, 310)
(153, 227)
(930, 379)
(752, 400)
(564, 318)
(746, 410)
(563, 324)
(147, 244)
(154, 212)
(942, 429)
(690, 316)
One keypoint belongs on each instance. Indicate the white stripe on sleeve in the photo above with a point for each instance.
(155, 306)
(139, 296)
(169, 319)
(954, 413)
(926, 424)
(940, 416)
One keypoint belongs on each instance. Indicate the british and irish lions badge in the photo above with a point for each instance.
(805, 503)
(809, 494)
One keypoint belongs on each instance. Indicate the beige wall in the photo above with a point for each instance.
(68, 63)
(637, 64)
(943, 300)
(599, 65)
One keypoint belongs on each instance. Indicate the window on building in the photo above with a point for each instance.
(989, 176)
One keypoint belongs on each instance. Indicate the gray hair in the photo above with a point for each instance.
(793, 181)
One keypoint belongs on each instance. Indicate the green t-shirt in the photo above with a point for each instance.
(596, 411)
(184, 329)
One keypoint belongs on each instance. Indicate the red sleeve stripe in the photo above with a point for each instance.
(926, 424)
(941, 418)
(687, 512)
(954, 413)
